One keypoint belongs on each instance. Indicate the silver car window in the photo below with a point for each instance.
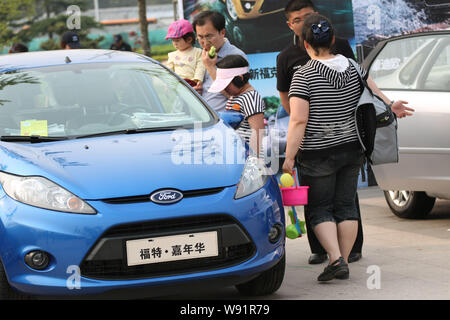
(413, 63)
(438, 76)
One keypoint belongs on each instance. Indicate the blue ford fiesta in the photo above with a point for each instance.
(116, 177)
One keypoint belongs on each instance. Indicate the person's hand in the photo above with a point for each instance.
(208, 62)
(198, 87)
(399, 108)
(288, 166)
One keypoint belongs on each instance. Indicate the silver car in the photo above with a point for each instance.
(416, 68)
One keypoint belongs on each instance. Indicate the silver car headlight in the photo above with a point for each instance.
(43, 193)
(253, 177)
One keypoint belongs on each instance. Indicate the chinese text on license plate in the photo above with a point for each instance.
(172, 248)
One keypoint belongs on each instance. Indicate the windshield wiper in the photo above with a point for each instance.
(129, 131)
(32, 139)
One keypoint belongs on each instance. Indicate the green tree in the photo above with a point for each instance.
(11, 11)
(272, 104)
(50, 18)
(50, 8)
(142, 5)
(58, 25)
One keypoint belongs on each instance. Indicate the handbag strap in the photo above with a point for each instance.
(361, 79)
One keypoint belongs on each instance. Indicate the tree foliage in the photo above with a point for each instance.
(58, 25)
(10, 11)
(36, 18)
(272, 103)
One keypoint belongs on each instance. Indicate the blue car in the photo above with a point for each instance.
(116, 177)
(276, 138)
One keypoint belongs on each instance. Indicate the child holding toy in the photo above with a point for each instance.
(186, 61)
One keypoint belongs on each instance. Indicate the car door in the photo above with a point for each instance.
(416, 68)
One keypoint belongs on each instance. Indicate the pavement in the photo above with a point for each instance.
(402, 259)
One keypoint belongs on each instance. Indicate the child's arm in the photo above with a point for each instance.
(170, 61)
(256, 123)
(200, 70)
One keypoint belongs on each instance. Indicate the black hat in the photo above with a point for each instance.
(71, 39)
(117, 38)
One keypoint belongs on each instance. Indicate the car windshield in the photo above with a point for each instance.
(88, 99)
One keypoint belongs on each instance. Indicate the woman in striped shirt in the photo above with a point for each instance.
(322, 135)
(232, 79)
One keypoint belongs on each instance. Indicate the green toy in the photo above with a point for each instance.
(297, 228)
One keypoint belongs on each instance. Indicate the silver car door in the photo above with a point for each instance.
(417, 69)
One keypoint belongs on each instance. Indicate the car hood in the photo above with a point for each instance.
(129, 165)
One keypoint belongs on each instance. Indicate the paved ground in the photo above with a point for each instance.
(402, 259)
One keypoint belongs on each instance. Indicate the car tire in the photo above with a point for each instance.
(231, 11)
(409, 204)
(266, 283)
(6, 292)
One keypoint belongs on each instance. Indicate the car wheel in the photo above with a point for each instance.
(6, 292)
(409, 204)
(231, 10)
(266, 283)
(238, 37)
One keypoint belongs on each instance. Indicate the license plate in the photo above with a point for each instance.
(172, 248)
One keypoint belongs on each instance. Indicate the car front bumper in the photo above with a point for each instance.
(71, 238)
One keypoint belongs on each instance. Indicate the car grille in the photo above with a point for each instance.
(272, 5)
(107, 259)
(146, 197)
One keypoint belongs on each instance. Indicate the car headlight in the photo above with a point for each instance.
(253, 177)
(43, 193)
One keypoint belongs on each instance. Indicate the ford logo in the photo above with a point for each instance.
(166, 196)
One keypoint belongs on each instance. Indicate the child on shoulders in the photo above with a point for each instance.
(186, 61)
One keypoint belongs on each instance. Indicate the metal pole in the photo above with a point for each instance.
(180, 9)
(175, 11)
(97, 11)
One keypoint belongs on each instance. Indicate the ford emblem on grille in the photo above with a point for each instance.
(166, 196)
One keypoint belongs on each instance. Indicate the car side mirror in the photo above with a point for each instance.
(233, 119)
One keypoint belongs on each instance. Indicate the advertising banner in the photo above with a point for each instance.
(376, 20)
(258, 27)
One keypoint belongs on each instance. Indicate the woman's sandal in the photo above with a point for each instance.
(338, 269)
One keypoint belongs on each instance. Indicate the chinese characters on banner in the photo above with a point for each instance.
(259, 29)
(263, 73)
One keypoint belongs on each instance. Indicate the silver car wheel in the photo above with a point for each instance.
(400, 197)
(409, 204)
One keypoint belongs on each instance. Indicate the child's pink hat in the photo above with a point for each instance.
(179, 28)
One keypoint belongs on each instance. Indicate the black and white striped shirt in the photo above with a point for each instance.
(333, 97)
(249, 103)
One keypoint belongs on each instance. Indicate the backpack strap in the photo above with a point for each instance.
(361, 79)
